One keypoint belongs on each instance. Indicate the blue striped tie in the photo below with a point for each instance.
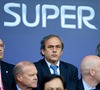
(54, 68)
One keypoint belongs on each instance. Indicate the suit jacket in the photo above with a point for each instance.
(81, 87)
(68, 72)
(15, 88)
(7, 75)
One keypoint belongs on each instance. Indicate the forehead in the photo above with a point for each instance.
(54, 83)
(30, 68)
(53, 40)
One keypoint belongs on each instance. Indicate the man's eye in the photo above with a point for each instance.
(50, 47)
(50, 89)
(58, 47)
(59, 89)
(2, 45)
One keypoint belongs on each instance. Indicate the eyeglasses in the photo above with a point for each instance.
(2, 45)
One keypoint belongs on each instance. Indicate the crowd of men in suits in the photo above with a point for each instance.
(50, 72)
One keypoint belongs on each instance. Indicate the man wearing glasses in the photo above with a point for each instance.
(6, 71)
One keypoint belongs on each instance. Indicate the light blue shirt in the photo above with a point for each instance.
(17, 87)
(51, 69)
(86, 86)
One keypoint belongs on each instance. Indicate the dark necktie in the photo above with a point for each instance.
(54, 68)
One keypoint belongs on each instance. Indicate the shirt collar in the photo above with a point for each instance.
(48, 63)
(86, 86)
(18, 87)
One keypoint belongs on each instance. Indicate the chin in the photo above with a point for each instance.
(35, 86)
(55, 59)
(1, 57)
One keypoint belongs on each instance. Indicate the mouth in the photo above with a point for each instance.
(54, 55)
(35, 82)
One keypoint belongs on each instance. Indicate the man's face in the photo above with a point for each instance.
(54, 84)
(1, 49)
(97, 73)
(53, 49)
(29, 78)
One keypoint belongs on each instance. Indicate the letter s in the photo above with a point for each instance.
(14, 14)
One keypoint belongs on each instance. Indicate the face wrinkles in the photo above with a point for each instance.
(53, 50)
(30, 78)
(97, 72)
(1, 49)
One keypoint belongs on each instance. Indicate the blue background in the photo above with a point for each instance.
(23, 43)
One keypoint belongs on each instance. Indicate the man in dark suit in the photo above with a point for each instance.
(90, 71)
(6, 71)
(51, 50)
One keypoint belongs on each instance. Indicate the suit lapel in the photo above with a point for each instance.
(80, 85)
(45, 68)
(63, 71)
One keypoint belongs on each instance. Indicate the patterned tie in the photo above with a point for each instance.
(54, 68)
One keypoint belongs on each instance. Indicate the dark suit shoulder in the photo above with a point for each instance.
(68, 65)
(80, 85)
(39, 63)
(7, 64)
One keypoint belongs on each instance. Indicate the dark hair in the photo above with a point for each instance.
(98, 50)
(46, 38)
(51, 77)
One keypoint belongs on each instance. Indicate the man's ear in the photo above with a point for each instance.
(42, 51)
(92, 72)
(19, 77)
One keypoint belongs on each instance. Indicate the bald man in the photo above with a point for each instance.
(90, 71)
(6, 71)
(25, 74)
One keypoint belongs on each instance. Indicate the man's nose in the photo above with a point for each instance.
(35, 77)
(54, 49)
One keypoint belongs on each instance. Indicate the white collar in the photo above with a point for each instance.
(48, 63)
